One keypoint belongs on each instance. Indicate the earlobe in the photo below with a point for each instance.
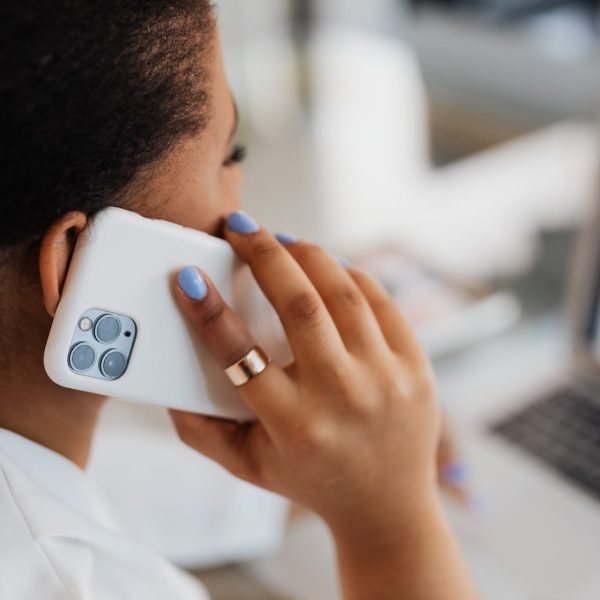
(56, 249)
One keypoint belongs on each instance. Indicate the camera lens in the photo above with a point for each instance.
(113, 364)
(82, 357)
(107, 329)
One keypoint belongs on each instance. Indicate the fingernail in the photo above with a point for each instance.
(343, 261)
(240, 222)
(192, 283)
(286, 238)
(457, 473)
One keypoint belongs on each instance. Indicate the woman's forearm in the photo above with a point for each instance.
(419, 560)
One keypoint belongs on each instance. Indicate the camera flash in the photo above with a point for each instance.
(85, 324)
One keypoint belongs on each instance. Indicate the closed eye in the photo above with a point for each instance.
(238, 154)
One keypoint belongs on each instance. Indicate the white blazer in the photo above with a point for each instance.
(57, 540)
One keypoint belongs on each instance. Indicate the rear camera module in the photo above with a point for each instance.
(102, 344)
(113, 364)
(82, 357)
(107, 329)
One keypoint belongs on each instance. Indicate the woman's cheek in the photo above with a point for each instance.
(231, 188)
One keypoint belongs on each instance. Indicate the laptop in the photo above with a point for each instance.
(535, 455)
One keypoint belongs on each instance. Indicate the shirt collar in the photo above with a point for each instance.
(55, 473)
(54, 498)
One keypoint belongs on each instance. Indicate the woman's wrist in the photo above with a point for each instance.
(415, 556)
(388, 529)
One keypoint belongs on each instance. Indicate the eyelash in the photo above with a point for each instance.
(238, 154)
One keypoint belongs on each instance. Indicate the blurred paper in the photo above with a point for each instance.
(447, 316)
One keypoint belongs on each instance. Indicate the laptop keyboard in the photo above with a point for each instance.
(563, 431)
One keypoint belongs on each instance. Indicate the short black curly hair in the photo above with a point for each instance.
(92, 92)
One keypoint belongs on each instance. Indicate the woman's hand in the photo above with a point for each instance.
(350, 428)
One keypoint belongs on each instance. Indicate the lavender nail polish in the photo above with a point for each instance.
(240, 222)
(457, 473)
(192, 283)
(286, 238)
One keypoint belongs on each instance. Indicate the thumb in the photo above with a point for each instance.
(226, 442)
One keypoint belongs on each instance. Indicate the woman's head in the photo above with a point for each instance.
(119, 102)
(101, 102)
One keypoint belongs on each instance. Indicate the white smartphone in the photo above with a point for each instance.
(118, 331)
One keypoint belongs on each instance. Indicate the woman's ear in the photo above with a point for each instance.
(57, 247)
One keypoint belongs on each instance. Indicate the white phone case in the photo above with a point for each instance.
(124, 263)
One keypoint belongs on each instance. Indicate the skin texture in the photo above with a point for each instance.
(356, 407)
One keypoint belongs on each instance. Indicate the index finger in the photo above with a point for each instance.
(309, 327)
(227, 338)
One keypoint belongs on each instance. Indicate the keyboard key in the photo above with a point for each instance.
(563, 431)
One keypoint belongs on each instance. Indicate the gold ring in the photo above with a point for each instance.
(248, 366)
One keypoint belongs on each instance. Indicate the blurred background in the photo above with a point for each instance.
(451, 148)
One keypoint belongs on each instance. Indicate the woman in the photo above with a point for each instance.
(126, 103)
